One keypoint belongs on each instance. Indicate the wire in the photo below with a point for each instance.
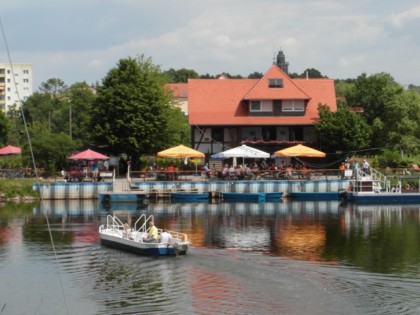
(34, 164)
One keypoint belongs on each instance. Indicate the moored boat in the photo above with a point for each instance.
(126, 196)
(273, 195)
(376, 188)
(257, 197)
(186, 195)
(329, 195)
(115, 233)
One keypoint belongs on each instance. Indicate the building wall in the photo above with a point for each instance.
(16, 84)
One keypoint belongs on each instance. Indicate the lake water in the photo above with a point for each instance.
(246, 258)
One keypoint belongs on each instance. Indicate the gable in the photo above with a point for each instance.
(264, 88)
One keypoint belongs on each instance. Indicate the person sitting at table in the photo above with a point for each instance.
(239, 172)
(304, 172)
(171, 172)
(225, 171)
(207, 170)
(289, 171)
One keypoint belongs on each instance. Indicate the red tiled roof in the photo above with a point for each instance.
(180, 90)
(220, 102)
(289, 90)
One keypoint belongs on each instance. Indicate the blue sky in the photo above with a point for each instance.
(81, 40)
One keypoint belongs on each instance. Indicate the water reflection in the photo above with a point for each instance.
(379, 238)
(246, 258)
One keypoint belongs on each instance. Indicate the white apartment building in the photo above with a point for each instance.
(15, 84)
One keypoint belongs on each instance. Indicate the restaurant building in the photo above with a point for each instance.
(270, 113)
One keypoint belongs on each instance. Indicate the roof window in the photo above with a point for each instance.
(275, 83)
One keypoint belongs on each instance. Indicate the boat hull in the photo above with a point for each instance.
(314, 195)
(273, 195)
(107, 197)
(383, 197)
(189, 196)
(149, 249)
(256, 197)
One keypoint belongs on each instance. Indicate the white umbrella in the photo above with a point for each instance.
(242, 151)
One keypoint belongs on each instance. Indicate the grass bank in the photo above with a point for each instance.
(17, 189)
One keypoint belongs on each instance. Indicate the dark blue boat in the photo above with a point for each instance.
(330, 195)
(183, 195)
(257, 197)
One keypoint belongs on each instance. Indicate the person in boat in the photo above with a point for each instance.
(165, 237)
(365, 167)
(152, 236)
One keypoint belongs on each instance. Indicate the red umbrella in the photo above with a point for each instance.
(7, 150)
(88, 155)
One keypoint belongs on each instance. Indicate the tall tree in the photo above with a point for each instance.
(389, 109)
(342, 130)
(130, 112)
(76, 110)
(373, 93)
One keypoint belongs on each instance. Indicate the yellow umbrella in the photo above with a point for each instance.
(180, 151)
(300, 150)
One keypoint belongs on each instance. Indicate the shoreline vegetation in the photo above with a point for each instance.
(18, 190)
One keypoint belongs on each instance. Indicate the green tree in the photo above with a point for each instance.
(4, 129)
(255, 75)
(342, 130)
(179, 132)
(392, 111)
(51, 150)
(401, 122)
(372, 93)
(181, 75)
(130, 113)
(75, 112)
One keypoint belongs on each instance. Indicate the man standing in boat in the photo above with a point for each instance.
(152, 236)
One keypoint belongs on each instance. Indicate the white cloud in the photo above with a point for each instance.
(402, 18)
(340, 39)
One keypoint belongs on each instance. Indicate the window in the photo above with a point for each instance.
(25, 80)
(25, 71)
(217, 134)
(275, 83)
(255, 106)
(293, 106)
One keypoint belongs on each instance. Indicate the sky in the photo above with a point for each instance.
(81, 40)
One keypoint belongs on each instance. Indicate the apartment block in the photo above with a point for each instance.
(16, 84)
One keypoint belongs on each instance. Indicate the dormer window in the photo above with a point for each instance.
(255, 106)
(275, 83)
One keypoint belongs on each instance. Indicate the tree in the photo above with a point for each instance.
(51, 150)
(392, 111)
(372, 93)
(401, 122)
(75, 112)
(130, 113)
(255, 75)
(4, 129)
(181, 75)
(342, 130)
